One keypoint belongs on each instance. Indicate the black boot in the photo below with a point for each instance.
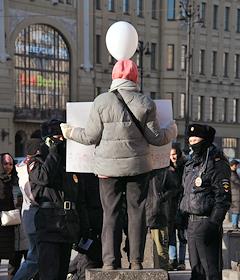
(173, 264)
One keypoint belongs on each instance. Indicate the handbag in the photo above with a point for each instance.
(10, 218)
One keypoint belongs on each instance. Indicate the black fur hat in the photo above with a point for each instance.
(204, 131)
(51, 128)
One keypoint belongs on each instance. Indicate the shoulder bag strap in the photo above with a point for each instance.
(135, 120)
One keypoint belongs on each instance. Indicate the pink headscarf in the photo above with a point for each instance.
(125, 69)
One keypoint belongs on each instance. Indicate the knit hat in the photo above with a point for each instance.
(33, 145)
(125, 69)
(51, 128)
(204, 131)
(234, 162)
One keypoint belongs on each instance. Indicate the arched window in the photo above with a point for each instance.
(20, 141)
(42, 67)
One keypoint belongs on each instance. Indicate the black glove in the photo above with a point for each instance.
(58, 147)
(211, 232)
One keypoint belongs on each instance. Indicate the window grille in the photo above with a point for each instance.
(42, 69)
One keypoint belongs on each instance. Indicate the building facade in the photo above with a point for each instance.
(54, 51)
(214, 96)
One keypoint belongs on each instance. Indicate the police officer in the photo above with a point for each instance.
(60, 206)
(206, 199)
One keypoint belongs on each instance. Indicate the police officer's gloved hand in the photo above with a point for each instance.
(211, 232)
(49, 142)
(58, 146)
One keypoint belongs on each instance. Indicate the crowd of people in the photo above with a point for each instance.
(184, 203)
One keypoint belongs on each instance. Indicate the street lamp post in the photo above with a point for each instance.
(188, 74)
(190, 14)
(142, 50)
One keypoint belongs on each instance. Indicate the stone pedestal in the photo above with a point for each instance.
(126, 274)
(229, 274)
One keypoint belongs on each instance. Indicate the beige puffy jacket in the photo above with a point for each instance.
(121, 150)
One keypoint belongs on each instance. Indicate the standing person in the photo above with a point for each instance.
(122, 124)
(162, 187)
(235, 188)
(8, 179)
(178, 221)
(91, 257)
(21, 243)
(29, 268)
(206, 199)
(59, 205)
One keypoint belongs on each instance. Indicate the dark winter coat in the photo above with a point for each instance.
(176, 216)
(213, 197)
(162, 187)
(89, 184)
(7, 203)
(235, 187)
(51, 184)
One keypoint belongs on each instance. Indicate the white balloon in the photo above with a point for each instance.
(122, 40)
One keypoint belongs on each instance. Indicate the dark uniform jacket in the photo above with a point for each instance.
(213, 197)
(51, 185)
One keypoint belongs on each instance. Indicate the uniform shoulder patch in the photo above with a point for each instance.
(226, 185)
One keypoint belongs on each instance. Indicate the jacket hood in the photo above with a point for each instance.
(122, 84)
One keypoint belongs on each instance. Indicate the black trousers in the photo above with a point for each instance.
(54, 260)
(205, 260)
(111, 193)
